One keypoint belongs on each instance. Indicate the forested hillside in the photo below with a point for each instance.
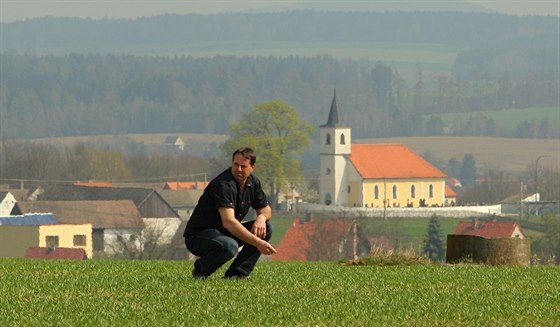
(67, 76)
(105, 94)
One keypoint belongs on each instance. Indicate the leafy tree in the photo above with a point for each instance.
(383, 80)
(434, 247)
(468, 170)
(551, 239)
(276, 133)
(453, 168)
(88, 163)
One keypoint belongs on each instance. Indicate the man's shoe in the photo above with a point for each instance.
(197, 274)
(237, 276)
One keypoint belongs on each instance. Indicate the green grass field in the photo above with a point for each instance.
(508, 120)
(162, 293)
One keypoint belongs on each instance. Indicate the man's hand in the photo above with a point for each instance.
(259, 226)
(265, 248)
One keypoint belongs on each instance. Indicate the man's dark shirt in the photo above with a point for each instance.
(221, 192)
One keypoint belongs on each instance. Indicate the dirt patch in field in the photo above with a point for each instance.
(513, 155)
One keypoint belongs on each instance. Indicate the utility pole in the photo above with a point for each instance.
(521, 203)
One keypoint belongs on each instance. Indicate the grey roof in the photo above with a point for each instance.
(84, 193)
(143, 198)
(101, 214)
(181, 198)
(334, 118)
(29, 219)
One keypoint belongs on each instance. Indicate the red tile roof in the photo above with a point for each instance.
(449, 193)
(56, 253)
(391, 161)
(297, 241)
(488, 229)
(184, 185)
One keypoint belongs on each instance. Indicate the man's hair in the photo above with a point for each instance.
(247, 153)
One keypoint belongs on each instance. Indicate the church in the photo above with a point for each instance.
(373, 175)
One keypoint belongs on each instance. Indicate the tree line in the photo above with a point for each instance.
(467, 30)
(77, 94)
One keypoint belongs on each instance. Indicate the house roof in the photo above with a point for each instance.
(156, 206)
(19, 194)
(94, 184)
(56, 253)
(185, 185)
(77, 193)
(297, 240)
(100, 214)
(181, 198)
(334, 119)
(29, 219)
(531, 197)
(449, 193)
(391, 161)
(173, 139)
(487, 229)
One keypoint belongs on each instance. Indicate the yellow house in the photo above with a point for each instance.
(373, 175)
(16, 239)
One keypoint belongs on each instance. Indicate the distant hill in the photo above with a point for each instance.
(19, 10)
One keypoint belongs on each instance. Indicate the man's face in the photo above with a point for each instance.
(241, 168)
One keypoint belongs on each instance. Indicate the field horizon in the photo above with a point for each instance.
(512, 155)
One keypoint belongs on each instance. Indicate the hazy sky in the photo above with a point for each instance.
(12, 10)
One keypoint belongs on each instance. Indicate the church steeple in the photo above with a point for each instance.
(333, 113)
(334, 149)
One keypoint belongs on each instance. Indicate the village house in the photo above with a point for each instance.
(322, 239)
(113, 223)
(374, 175)
(490, 229)
(43, 232)
(174, 142)
(7, 203)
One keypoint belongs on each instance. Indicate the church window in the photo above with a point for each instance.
(328, 139)
(376, 192)
(328, 200)
(342, 139)
(431, 191)
(413, 191)
(394, 191)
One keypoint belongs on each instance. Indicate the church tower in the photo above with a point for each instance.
(335, 147)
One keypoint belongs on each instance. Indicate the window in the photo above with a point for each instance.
(376, 192)
(342, 139)
(328, 172)
(349, 189)
(52, 241)
(431, 191)
(394, 191)
(328, 199)
(413, 191)
(328, 139)
(79, 240)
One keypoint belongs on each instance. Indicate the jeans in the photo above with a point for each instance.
(215, 248)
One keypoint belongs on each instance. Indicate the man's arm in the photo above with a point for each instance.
(259, 226)
(237, 230)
